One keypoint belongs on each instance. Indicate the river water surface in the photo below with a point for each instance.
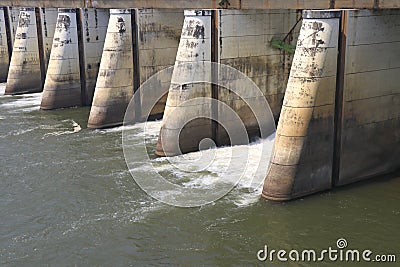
(67, 198)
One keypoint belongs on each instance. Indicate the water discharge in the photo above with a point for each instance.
(67, 198)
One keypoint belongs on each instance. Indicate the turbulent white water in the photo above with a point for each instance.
(244, 193)
(207, 168)
(25, 103)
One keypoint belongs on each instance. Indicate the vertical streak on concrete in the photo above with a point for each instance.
(136, 62)
(13, 18)
(194, 46)
(81, 49)
(301, 161)
(24, 72)
(49, 21)
(40, 45)
(62, 86)
(9, 33)
(4, 45)
(94, 31)
(114, 87)
(214, 87)
(339, 94)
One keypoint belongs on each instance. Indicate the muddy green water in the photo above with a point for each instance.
(67, 198)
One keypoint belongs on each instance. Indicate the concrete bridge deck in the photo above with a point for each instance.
(208, 4)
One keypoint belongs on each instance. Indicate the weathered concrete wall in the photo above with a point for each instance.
(29, 57)
(246, 37)
(158, 38)
(125, 65)
(75, 58)
(244, 42)
(301, 162)
(340, 122)
(370, 134)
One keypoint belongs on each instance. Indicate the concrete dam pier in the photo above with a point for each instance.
(139, 43)
(340, 117)
(330, 77)
(31, 50)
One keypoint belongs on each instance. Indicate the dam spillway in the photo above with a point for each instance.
(328, 106)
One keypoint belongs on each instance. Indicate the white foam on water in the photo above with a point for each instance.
(75, 128)
(2, 89)
(27, 102)
(152, 129)
(246, 191)
(253, 170)
(23, 131)
(109, 130)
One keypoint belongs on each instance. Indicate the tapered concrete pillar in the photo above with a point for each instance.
(194, 46)
(62, 87)
(139, 43)
(114, 87)
(74, 59)
(25, 68)
(240, 39)
(301, 162)
(33, 39)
